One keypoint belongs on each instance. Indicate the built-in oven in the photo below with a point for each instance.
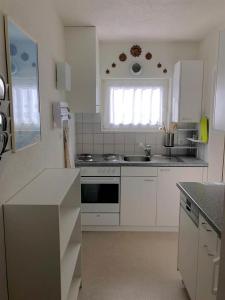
(100, 194)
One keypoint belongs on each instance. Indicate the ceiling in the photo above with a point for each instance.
(175, 20)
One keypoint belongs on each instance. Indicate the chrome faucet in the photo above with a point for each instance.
(148, 150)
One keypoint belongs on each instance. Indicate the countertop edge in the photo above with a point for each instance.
(139, 164)
(203, 213)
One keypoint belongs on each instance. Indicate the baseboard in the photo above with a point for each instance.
(130, 228)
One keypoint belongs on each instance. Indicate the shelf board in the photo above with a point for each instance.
(195, 141)
(68, 219)
(68, 265)
(74, 288)
(187, 129)
(181, 147)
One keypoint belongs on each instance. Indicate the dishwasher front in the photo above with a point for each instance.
(188, 244)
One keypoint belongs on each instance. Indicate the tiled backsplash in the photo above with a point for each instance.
(90, 138)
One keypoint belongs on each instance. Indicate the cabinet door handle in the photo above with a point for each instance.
(216, 262)
(204, 225)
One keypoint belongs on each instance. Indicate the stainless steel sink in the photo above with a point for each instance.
(163, 158)
(136, 158)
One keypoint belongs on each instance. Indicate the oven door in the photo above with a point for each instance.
(100, 194)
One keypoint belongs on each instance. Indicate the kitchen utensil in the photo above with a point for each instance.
(3, 121)
(2, 88)
(3, 142)
(169, 139)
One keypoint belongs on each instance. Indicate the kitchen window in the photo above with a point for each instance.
(134, 105)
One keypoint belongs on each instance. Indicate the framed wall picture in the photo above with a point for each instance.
(22, 61)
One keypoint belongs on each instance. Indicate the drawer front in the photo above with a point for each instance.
(208, 236)
(100, 219)
(139, 171)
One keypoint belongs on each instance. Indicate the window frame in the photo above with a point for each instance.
(106, 84)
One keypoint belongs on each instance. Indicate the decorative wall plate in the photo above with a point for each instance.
(113, 65)
(159, 65)
(165, 71)
(135, 69)
(148, 56)
(135, 50)
(123, 57)
(107, 71)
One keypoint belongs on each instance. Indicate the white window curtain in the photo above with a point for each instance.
(25, 107)
(134, 104)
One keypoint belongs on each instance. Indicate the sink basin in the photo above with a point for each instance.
(160, 158)
(137, 158)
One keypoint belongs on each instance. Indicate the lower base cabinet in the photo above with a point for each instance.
(208, 262)
(168, 197)
(138, 201)
(188, 252)
(100, 219)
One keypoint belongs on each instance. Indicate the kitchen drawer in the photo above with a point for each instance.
(139, 171)
(100, 219)
(208, 235)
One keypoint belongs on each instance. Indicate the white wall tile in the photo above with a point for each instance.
(97, 127)
(79, 138)
(79, 127)
(88, 148)
(97, 118)
(129, 149)
(119, 138)
(88, 127)
(98, 138)
(119, 148)
(79, 148)
(88, 138)
(98, 149)
(130, 138)
(108, 138)
(108, 148)
(88, 118)
(140, 138)
(138, 150)
(78, 117)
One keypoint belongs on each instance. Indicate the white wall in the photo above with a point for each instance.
(213, 152)
(39, 19)
(167, 53)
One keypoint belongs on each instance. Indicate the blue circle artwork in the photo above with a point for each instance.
(13, 50)
(25, 56)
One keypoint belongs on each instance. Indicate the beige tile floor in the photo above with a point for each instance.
(130, 266)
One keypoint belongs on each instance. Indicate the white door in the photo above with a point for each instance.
(168, 196)
(188, 252)
(138, 201)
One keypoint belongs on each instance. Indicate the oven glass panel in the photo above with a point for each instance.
(100, 193)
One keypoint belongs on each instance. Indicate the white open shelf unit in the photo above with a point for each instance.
(43, 237)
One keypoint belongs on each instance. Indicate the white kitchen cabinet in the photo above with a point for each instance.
(219, 105)
(138, 201)
(168, 196)
(188, 252)
(43, 237)
(82, 56)
(208, 262)
(187, 91)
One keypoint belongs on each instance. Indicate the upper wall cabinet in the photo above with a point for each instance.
(219, 105)
(187, 91)
(82, 56)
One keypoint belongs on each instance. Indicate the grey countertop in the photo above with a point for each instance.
(209, 197)
(157, 161)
